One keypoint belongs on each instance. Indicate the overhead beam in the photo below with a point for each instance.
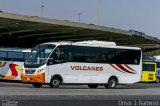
(86, 35)
(61, 22)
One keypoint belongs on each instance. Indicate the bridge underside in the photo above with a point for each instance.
(28, 31)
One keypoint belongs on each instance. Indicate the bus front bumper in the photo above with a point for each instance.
(39, 78)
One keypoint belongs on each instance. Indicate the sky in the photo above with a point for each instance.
(140, 15)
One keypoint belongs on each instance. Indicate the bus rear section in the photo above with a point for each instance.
(92, 63)
(11, 63)
(149, 72)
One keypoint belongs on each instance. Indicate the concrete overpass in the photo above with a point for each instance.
(27, 31)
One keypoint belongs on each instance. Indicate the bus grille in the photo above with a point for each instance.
(150, 78)
(150, 75)
(29, 71)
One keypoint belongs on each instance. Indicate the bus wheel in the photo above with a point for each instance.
(111, 83)
(92, 85)
(55, 82)
(37, 85)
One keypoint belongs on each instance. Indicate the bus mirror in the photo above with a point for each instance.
(55, 61)
(58, 61)
(50, 59)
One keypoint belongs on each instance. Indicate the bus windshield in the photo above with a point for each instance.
(39, 55)
(148, 67)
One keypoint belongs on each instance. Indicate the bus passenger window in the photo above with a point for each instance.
(3, 54)
(69, 57)
(56, 57)
(56, 54)
(135, 61)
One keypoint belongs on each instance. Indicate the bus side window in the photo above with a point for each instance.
(56, 54)
(135, 61)
(70, 58)
(15, 56)
(3, 55)
(56, 57)
(52, 59)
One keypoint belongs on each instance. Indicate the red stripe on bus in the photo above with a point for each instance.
(129, 67)
(115, 68)
(121, 67)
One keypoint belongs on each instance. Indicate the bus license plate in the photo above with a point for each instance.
(28, 78)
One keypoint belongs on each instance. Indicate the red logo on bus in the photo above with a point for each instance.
(14, 68)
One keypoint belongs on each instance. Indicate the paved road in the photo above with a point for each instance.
(69, 95)
(27, 89)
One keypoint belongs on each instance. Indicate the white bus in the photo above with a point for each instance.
(88, 62)
(11, 62)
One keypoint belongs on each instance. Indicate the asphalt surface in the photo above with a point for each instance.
(7, 88)
(19, 94)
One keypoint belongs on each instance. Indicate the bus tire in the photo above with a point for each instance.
(55, 82)
(92, 85)
(111, 83)
(37, 85)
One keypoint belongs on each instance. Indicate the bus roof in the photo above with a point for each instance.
(93, 43)
(157, 57)
(16, 49)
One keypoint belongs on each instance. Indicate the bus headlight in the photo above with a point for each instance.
(40, 70)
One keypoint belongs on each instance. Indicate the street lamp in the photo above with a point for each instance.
(42, 7)
(79, 17)
(97, 16)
